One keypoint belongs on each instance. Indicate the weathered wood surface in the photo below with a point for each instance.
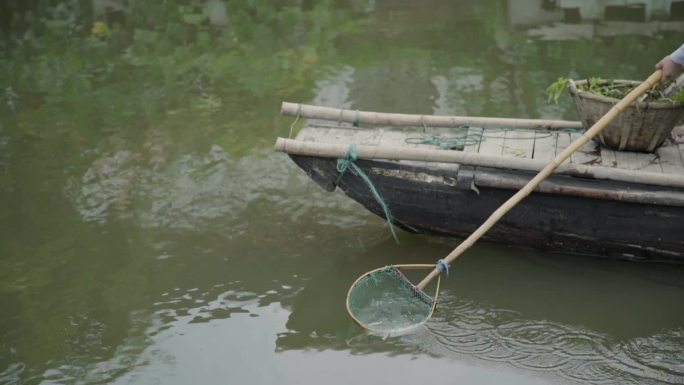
(476, 134)
(562, 143)
(588, 154)
(428, 200)
(518, 144)
(544, 146)
(392, 119)
(525, 144)
(671, 159)
(392, 144)
(565, 213)
(492, 142)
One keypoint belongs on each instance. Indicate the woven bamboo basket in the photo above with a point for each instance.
(640, 127)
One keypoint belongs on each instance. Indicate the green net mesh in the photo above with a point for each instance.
(385, 302)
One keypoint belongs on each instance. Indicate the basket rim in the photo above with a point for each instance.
(574, 91)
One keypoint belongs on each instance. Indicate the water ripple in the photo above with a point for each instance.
(195, 189)
(570, 352)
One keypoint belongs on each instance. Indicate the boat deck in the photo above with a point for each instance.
(541, 145)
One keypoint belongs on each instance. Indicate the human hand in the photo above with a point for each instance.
(669, 67)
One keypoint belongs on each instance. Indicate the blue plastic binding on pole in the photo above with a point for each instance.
(443, 267)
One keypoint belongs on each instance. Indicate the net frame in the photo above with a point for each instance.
(401, 276)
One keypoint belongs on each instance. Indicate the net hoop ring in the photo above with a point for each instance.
(416, 266)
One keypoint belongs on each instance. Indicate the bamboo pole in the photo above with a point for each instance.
(543, 174)
(390, 119)
(333, 150)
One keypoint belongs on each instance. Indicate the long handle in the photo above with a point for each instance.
(544, 173)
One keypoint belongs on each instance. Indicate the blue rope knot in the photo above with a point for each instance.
(443, 267)
(343, 164)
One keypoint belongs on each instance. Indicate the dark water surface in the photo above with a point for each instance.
(149, 234)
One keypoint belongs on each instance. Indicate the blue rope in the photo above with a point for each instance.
(464, 138)
(446, 142)
(343, 164)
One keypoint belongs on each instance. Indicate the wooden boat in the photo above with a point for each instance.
(445, 175)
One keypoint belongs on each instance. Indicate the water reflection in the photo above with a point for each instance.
(149, 234)
(588, 19)
(582, 319)
(172, 358)
(392, 85)
(576, 318)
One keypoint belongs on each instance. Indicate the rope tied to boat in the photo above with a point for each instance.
(299, 111)
(343, 164)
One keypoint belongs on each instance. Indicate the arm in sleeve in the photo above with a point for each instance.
(678, 55)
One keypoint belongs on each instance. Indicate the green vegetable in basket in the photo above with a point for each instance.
(555, 89)
(610, 89)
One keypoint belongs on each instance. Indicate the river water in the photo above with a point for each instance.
(150, 235)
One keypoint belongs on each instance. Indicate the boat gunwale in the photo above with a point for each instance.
(332, 150)
(416, 120)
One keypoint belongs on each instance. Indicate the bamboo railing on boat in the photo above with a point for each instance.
(331, 150)
(390, 119)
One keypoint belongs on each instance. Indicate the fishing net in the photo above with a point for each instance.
(385, 302)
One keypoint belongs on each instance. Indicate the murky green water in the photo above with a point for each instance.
(149, 234)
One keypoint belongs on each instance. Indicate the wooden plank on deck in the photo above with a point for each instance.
(545, 146)
(368, 137)
(648, 162)
(625, 160)
(608, 158)
(562, 143)
(518, 143)
(629, 160)
(394, 138)
(311, 134)
(671, 159)
(474, 135)
(492, 141)
(588, 154)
